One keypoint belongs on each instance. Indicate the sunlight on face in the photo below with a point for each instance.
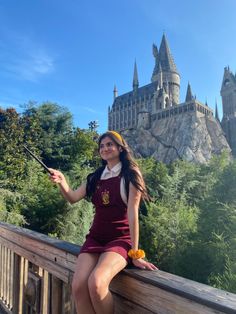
(109, 150)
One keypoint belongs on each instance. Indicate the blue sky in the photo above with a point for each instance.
(73, 52)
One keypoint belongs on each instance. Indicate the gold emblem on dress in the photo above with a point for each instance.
(105, 197)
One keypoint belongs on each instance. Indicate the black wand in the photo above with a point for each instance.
(37, 159)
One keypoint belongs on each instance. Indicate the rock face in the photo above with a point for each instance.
(191, 136)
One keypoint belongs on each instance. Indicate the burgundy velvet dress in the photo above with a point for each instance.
(110, 228)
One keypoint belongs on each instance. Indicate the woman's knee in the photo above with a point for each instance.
(98, 286)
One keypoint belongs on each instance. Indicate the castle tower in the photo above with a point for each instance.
(170, 73)
(135, 78)
(144, 120)
(228, 94)
(115, 92)
(216, 113)
(189, 95)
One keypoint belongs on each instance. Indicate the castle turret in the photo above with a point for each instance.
(228, 94)
(169, 71)
(189, 95)
(115, 92)
(216, 113)
(135, 78)
(144, 120)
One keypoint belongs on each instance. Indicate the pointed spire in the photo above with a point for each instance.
(154, 51)
(115, 92)
(165, 57)
(189, 95)
(216, 112)
(135, 79)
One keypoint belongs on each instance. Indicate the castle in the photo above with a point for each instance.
(152, 112)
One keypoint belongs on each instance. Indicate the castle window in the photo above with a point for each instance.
(167, 102)
(226, 82)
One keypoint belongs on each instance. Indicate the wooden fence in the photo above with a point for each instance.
(36, 273)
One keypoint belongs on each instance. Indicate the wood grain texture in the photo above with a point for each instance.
(56, 295)
(154, 299)
(45, 292)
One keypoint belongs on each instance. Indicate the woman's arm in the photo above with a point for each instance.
(133, 213)
(70, 195)
(133, 217)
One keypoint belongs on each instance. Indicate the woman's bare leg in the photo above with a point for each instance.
(84, 266)
(108, 265)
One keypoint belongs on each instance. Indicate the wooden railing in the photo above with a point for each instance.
(36, 273)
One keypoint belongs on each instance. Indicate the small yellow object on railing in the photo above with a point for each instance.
(136, 254)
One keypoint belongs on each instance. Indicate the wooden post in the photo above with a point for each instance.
(66, 299)
(1, 271)
(8, 272)
(5, 275)
(45, 293)
(11, 278)
(56, 295)
(16, 284)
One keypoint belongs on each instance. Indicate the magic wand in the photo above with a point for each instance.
(37, 159)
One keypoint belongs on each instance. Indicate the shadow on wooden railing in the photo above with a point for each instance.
(36, 273)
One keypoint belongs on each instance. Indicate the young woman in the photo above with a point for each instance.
(115, 190)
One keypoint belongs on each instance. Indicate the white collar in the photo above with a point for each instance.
(114, 170)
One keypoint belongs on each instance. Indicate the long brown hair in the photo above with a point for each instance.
(129, 170)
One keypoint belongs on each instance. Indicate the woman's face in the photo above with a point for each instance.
(109, 150)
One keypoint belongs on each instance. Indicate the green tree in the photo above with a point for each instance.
(41, 202)
(10, 209)
(54, 134)
(84, 148)
(155, 175)
(12, 160)
(170, 223)
(74, 223)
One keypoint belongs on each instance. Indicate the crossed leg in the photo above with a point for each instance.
(108, 265)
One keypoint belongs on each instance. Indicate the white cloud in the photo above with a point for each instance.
(89, 109)
(30, 67)
(24, 59)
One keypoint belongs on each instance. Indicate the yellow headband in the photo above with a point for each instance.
(117, 135)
